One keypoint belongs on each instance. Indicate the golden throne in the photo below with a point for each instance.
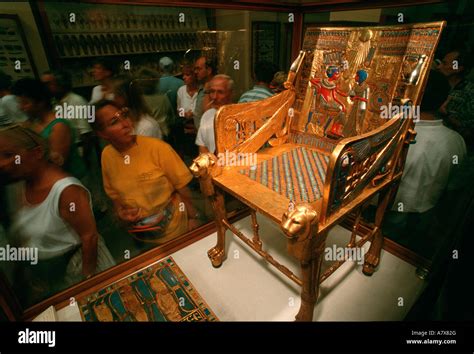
(323, 148)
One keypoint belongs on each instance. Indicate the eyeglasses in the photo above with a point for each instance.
(117, 117)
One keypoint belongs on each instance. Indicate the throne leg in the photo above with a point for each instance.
(353, 239)
(310, 290)
(372, 259)
(217, 253)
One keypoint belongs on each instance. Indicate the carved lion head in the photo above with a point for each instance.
(297, 222)
(202, 164)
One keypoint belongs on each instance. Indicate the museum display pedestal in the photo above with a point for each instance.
(244, 290)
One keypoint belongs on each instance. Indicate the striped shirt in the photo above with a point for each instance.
(256, 94)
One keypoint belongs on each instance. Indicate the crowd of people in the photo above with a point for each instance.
(133, 133)
(142, 131)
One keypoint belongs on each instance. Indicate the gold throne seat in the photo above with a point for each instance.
(297, 173)
(284, 174)
(324, 147)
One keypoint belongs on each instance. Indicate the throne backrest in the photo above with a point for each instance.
(353, 79)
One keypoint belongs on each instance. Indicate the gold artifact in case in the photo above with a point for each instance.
(335, 138)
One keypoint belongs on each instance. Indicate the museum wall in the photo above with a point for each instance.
(32, 33)
(234, 37)
(235, 31)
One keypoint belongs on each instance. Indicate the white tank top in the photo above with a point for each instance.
(41, 225)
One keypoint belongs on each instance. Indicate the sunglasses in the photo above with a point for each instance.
(117, 117)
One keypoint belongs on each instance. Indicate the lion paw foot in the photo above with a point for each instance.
(371, 262)
(216, 255)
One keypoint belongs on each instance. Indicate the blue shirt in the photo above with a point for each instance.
(256, 94)
(169, 85)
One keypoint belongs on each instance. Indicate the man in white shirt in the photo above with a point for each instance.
(438, 149)
(10, 113)
(220, 94)
(437, 152)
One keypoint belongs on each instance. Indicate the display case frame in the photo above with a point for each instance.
(8, 300)
(26, 48)
(265, 31)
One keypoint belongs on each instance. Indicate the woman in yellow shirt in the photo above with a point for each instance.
(145, 178)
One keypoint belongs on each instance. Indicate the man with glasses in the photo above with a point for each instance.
(204, 70)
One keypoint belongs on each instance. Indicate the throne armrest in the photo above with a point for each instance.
(361, 166)
(246, 127)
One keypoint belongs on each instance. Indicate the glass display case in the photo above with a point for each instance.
(236, 35)
(417, 233)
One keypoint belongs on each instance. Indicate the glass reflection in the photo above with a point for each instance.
(105, 142)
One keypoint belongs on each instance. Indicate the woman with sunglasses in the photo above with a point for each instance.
(54, 216)
(145, 178)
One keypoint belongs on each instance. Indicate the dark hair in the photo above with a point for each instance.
(264, 71)
(107, 64)
(188, 68)
(63, 79)
(96, 125)
(33, 89)
(5, 81)
(127, 87)
(464, 59)
(25, 138)
(436, 92)
(148, 80)
(210, 63)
